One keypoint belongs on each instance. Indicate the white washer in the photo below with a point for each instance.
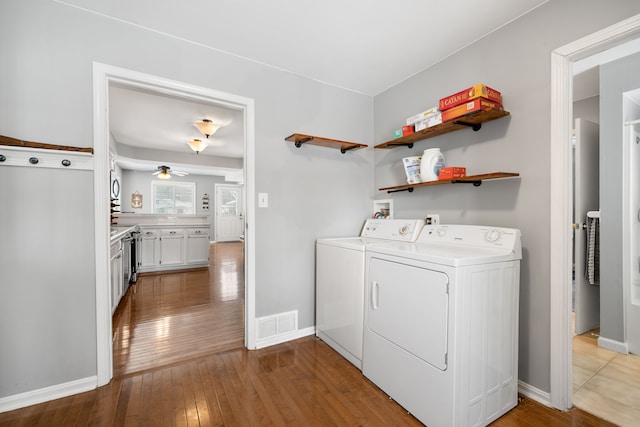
(441, 323)
(340, 267)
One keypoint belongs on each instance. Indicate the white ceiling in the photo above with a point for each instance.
(361, 45)
(153, 120)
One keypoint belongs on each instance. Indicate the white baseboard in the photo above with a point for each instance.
(279, 339)
(534, 393)
(46, 394)
(613, 345)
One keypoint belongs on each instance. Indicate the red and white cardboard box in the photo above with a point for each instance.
(470, 107)
(476, 91)
(452, 172)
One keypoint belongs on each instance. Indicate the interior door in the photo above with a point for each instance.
(229, 213)
(633, 305)
(586, 195)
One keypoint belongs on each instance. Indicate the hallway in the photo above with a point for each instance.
(177, 316)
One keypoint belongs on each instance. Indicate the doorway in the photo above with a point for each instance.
(103, 77)
(561, 198)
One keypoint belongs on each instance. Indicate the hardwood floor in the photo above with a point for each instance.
(298, 383)
(170, 317)
(606, 383)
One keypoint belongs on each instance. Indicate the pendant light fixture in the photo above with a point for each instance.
(198, 145)
(207, 127)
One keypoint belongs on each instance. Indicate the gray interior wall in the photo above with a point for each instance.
(516, 61)
(47, 318)
(46, 84)
(135, 181)
(615, 78)
(588, 109)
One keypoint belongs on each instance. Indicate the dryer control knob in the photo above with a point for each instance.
(403, 230)
(441, 232)
(492, 235)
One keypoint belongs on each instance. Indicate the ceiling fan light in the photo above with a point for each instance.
(197, 145)
(207, 127)
(164, 175)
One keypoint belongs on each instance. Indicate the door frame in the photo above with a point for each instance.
(562, 60)
(103, 76)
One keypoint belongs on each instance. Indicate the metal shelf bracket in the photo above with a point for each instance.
(475, 126)
(410, 190)
(302, 141)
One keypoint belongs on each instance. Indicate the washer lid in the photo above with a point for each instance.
(355, 243)
(446, 254)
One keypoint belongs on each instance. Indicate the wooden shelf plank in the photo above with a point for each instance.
(343, 146)
(467, 179)
(5, 140)
(475, 118)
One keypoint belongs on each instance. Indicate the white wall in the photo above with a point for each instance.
(516, 61)
(46, 83)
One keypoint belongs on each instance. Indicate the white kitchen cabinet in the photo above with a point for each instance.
(197, 245)
(150, 253)
(116, 274)
(172, 247)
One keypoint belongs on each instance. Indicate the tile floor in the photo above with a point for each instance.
(606, 383)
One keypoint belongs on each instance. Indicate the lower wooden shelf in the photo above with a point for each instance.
(476, 180)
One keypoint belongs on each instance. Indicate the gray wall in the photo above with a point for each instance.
(46, 85)
(47, 307)
(516, 61)
(615, 78)
(588, 108)
(133, 181)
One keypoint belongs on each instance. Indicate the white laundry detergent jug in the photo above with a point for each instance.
(432, 162)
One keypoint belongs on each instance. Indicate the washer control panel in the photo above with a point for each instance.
(405, 230)
(472, 235)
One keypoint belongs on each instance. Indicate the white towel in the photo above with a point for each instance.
(593, 251)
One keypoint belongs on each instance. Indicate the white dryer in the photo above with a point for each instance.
(340, 267)
(441, 323)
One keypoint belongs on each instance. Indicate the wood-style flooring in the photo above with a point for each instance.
(606, 383)
(170, 317)
(298, 383)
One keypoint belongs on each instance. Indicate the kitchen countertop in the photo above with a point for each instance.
(118, 233)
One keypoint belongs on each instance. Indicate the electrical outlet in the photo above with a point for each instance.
(432, 219)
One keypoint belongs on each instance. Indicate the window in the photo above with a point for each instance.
(173, 197)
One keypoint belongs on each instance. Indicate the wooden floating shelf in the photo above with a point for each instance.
(476, 180)
(5, 140)
(473, 120)
(298, 139)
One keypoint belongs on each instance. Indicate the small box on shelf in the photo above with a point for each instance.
(452, 172)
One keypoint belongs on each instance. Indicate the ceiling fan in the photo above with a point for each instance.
(164, 172)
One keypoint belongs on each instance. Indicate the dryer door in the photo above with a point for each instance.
(408, 306)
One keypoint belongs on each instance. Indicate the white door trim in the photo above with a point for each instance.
(562, 60)
(103, 75)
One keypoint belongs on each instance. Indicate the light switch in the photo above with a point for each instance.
(263, 200)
